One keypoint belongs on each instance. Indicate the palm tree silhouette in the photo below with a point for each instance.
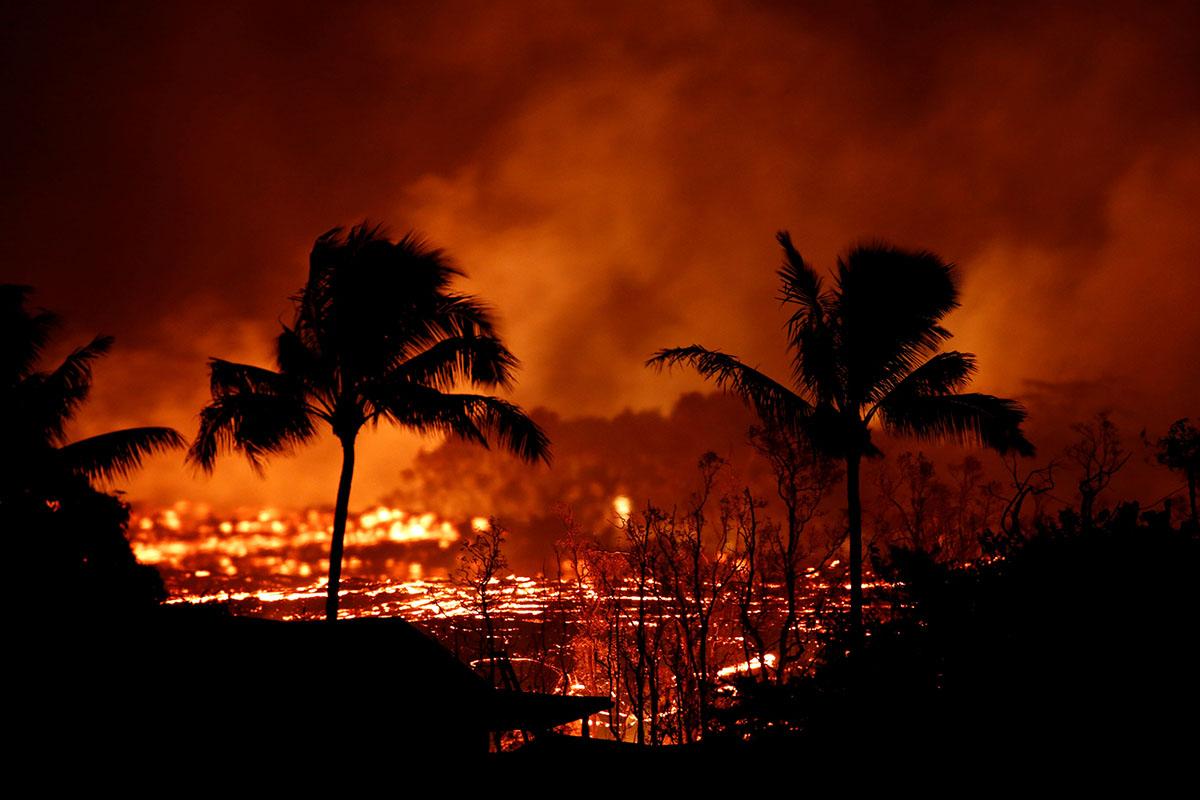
(62, 526)
(378, 334)
(866, 351)
(36, 407)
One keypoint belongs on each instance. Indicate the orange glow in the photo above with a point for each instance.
(623, 507)
(747, 667)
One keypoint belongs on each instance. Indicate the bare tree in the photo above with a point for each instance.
(1100, 456)
(567, 602)
(644, 678)
(699, 563)
(1035, 483)
(753, 587)
(917, 498)
(803, 477)
(481, 562)
(658, 615)
(922, 511)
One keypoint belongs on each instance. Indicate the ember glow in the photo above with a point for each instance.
(623, 507)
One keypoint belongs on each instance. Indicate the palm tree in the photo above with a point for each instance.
(866, 351)
(36, 407)
(378, 335)
(65, 527)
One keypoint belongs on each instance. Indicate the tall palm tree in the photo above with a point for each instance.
(36, 407)
(378, 335)
(866, 352)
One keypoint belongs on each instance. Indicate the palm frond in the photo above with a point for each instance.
(440, 267)
(443, 316)
(371, 302)
(890, 303)
(815, 364)
(944, 373)
(479, 360)
(446, 316)
(458, 314)
(113, 455)
(968, 418)
(256, 424)
(477, 418)
(772, 401)
(298, 358)
(230, 377)
(23, 333)
(810, 337)
(801, 286)
(55, 397)
(508, 425)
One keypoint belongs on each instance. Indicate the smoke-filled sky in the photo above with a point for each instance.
(611, 176)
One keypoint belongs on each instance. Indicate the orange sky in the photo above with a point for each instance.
(610, 176)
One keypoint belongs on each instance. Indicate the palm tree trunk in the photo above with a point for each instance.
(340, 512)
(854, 513)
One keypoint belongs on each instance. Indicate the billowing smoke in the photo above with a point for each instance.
(610, 176)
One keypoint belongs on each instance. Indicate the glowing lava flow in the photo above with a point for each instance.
(188, 541)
